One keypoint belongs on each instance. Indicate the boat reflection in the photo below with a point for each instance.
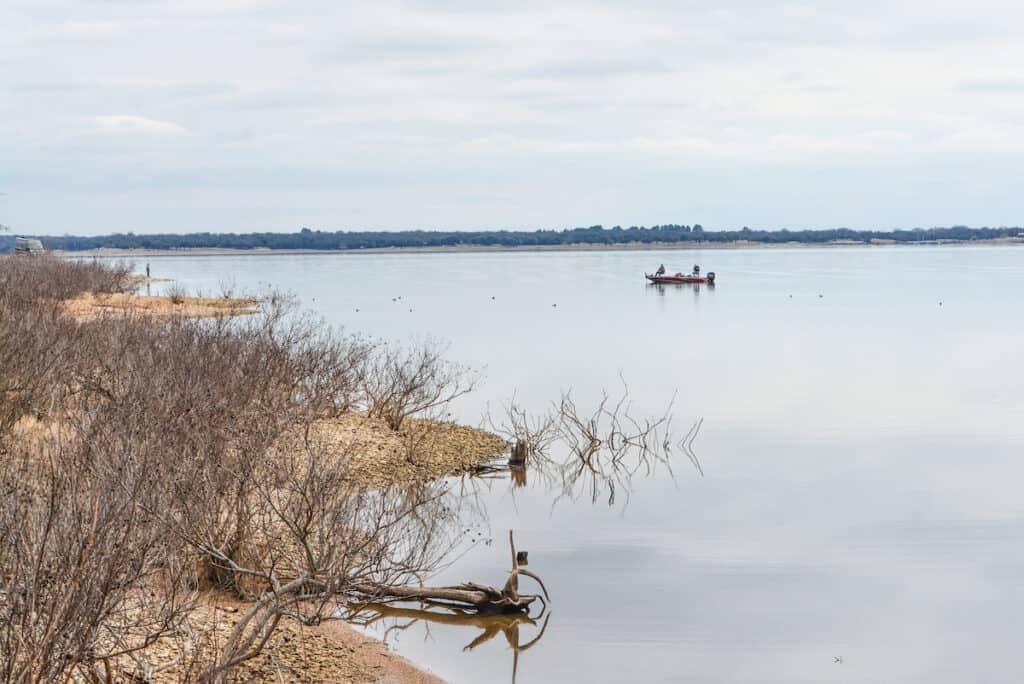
(661, 288)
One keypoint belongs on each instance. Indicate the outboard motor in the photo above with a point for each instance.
(711, 277)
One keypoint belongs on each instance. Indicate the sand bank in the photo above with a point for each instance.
(91, 306)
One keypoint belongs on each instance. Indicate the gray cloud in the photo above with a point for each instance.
(594, 67)
(406, 112)
(988, 86)
(362, 50)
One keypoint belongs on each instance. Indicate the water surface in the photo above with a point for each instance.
(861, 447)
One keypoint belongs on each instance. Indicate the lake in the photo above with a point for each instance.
(860, 516)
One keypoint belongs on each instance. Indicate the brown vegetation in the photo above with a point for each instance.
(165, 460)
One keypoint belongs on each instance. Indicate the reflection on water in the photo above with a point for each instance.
(861, 455)
(598, 451)
(521, 631)
(695, 288)
(595, 451)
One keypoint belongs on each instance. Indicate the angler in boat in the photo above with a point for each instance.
(660, 276)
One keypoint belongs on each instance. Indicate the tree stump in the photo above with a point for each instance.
(518, 456)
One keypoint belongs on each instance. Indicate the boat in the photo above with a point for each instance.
(709, 278)
(27, 246)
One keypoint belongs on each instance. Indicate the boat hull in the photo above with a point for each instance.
(676, 279)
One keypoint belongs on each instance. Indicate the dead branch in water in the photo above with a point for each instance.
(482, 598)
(596, 451)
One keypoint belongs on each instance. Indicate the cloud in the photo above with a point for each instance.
(388, 48)
(138, 125)
(588, 111)
(1013, 86)
(594, 67)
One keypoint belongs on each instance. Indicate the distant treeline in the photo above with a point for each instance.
(594, 235)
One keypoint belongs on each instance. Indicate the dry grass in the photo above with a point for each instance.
(89, 306)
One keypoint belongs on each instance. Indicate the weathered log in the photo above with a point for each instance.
(481, 597)
(484, 599)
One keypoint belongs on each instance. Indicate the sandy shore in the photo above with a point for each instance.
(110, 253)
(89, 306)
(326, 653)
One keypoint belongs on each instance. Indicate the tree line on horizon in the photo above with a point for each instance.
(594, 235)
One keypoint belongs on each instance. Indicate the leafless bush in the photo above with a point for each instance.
(88, 578)
(399, 382)
(176, 293)
(596, 451)
(323, 539)
(515, 425)
(24, 281)
(176, 455)
(36, 347)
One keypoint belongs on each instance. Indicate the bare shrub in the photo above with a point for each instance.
(87, 577)
(595, 451)
(38, 347)
(399, 382)
(176, 293)
(180, 454)
(46, 277)
(535, 433)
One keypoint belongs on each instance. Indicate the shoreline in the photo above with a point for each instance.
(422, 450)
(117, 253)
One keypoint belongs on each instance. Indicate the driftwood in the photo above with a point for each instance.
(482, 598)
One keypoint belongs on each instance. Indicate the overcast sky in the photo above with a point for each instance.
(238, 115)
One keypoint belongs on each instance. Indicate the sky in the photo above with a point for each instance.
(252, 115)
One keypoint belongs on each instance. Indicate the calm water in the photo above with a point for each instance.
(863, 483)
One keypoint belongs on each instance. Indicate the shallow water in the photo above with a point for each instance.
(861, 449)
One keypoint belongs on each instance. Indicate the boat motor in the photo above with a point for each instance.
(711, 277)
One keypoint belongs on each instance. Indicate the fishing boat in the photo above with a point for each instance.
(708, 278)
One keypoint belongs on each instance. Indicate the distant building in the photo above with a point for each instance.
(27, 246)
